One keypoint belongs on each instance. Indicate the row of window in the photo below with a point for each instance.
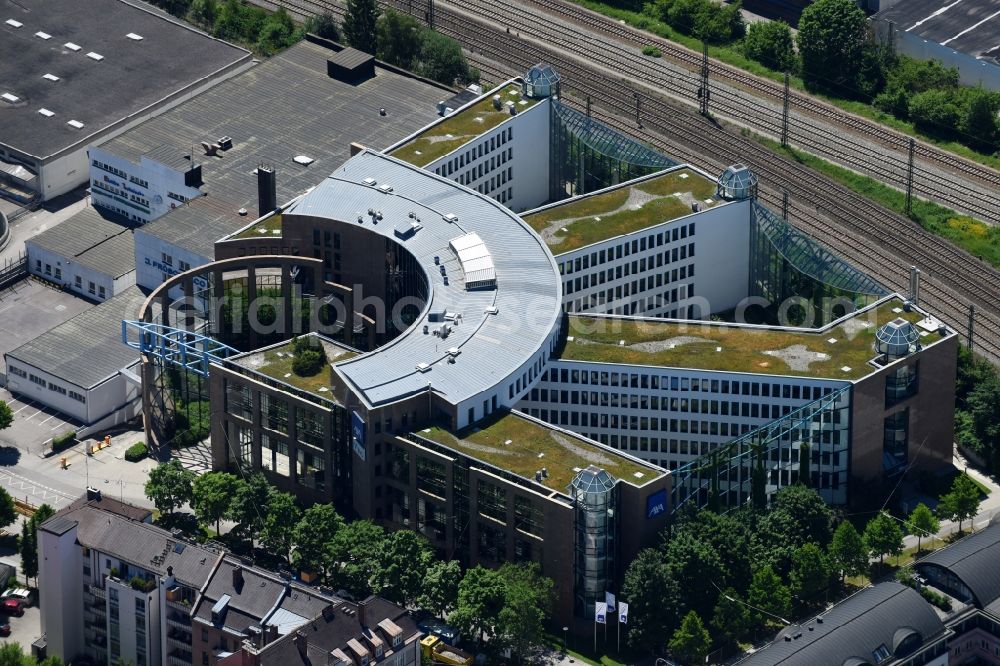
(124, 212)
(639, 286)
(467, 156)
(598, 258)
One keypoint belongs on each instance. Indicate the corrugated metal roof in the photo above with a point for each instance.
(493, 346)
(87, 349)
(974, 560)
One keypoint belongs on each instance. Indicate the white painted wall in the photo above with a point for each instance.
(101, 400)
(971, 71)
(60, 593)
(60, 270)
(150, 266)
(63, 174)
(147, 191)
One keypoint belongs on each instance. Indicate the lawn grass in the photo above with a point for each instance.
(533, 447)
(973, 236)
(280, 367)
(590, 219)
(585, 658)
(460, 128)
(731, 55)
(263, 229)
(597, 340)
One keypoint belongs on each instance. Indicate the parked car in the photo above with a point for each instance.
(12, 607)
(19, 594)
(5, 629)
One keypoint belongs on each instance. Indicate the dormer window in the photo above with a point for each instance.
(396, 640)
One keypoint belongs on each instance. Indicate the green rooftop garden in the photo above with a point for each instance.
(592, 218)
(533, 447)
(277, 363)
(267, 228)
(735, 349)
(460, 128)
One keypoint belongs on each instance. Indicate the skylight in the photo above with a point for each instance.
(134, 37)
(95, 56)
(46, 113)
(75, 124)
(50, 77)
(71, 46)
(14, 24)
(304, 160)
(7, 97)
(43, 35)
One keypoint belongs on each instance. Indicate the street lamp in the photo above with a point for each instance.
(565, 638)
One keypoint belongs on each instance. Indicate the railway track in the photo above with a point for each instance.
(874, 239)
(813, 126)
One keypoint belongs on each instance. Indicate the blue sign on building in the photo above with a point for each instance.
(656, 503)
(358, 435)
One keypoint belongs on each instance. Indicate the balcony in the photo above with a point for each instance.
(96, 592)
(177, 619)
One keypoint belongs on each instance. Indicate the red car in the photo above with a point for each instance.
(12, 607)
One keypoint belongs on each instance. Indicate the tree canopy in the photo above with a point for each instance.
(691, 641)
(211, 494)
(961, 503)
(770, 43)
(400, 39)
(360, 20)
(439, 592)
(169, 486)
(831, 38)
(6, 415)
(923, 523)
(847, 551)
(883, 536)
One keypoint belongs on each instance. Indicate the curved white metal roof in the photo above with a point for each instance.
(491, 347)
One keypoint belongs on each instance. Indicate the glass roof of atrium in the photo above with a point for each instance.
(602, 139)
(592, 480)
(738, 182)
(542, 75)
(897, 334)
(811, 258)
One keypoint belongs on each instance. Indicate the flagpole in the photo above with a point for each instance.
(595, 627)
(619, 634)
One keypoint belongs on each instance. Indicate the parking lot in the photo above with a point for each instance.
(34, 425)
(30, 308)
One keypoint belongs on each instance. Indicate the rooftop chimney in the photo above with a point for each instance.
(267, 195)
(362, 619)
(270, 634)
(237, 577)
(300, 643)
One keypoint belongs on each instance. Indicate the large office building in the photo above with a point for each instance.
(77, 74)
(542, 338)
(114, 588)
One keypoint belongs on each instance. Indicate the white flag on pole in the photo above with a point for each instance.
(600, 612)
(609, 599)
(623, 612)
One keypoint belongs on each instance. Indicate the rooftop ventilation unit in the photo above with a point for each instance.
(71, 46)
(7, 97)
(370, 182)
(453, 351)
(423, 367)
(451, 217)
(304, 160)
(406, 230)
(134, 37)
(385, 187)
(46, 113)
(225, 142)
(50, 77)
(14, 24)
(75, 124)
(43, 35)
(95, 56)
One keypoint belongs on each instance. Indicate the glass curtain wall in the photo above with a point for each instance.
(770, 457)
(594, 497)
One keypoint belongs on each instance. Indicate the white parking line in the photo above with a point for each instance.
(28, 418)
(29, 404)
(48, 419)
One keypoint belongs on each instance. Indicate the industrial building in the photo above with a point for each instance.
(114, 587)
(75, 75)
(551, 385)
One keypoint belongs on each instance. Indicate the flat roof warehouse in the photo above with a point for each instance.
(968, 26)
(95, 64)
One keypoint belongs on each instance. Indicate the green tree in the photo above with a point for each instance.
(695, 566)
(314, 539)
(810, 573)
(768, 594)
(883, 537)
(832, 36)
(12, 654)
(400, 38)
(277, 32)
(691, 641)
(28, 544)
(359, 25)
(325, 26)
(652, 596)
(481, 597)
(169, 486)
(6, 415)
(731, 619)
(527, 607)
(211, 494)
(441, 59)
(934, 111)
(847, 551)
(727, 536)
(204, 12)
(439, 592)
(797, 515)
(923, 522)
(280, 521)
(401, 563)
(770, 43)
(961, 503)
(355, 549)
(248, 506)
(8, 514)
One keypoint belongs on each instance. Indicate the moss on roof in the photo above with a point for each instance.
(461, 127)
(277, 364)
(267, 228)
(533, 446)
(779, 352)
(589, 219)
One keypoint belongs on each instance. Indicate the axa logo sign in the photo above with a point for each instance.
(656, 504)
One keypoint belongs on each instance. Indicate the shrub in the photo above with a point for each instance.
(652, 51)
(136, 452)
(770, 43)
(308, 363)
(939, 600)
(63, 441)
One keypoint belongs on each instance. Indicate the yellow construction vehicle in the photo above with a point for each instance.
(441, 653)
